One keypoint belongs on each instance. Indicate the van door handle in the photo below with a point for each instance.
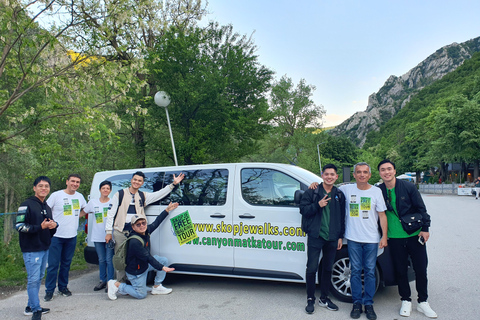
(246, 216)
(217, 215)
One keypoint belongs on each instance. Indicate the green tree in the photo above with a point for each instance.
(217, 88)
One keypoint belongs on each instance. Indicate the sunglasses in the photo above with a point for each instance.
(140, 224)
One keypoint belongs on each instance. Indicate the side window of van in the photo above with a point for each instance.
(268, 187)
(198, 188)
(122, 181)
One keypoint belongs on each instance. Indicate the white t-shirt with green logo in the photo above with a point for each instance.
(362, 207)
(99, 210)
(66, 212)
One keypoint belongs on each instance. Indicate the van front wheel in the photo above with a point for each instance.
(341, 274)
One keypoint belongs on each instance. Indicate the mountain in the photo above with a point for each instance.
(397, 91)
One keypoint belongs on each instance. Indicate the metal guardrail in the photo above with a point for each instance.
(438, 188)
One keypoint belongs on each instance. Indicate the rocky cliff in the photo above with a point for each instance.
(397, 91)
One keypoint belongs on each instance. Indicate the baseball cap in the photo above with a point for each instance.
(137, 217)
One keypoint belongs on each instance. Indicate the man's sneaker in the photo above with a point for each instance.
(112, 290)
(100, 286)
(406, 308)
(425, 308)
(48, 296)
(310, 308)
(356, 311)
(370, 313)
(160, 290)
(65, 292)
(37, 315)
(28, 311)
(327, 303)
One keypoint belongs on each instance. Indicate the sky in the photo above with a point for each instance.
(347, 49)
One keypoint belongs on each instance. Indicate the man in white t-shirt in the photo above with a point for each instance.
(66, 207)
(365, 206)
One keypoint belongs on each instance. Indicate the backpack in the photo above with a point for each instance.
(119, 259)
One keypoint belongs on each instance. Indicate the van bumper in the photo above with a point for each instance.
(90, 255)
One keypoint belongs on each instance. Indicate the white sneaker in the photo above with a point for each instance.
(424, 308)
(406, 308)
(112, 290)
(160, 290)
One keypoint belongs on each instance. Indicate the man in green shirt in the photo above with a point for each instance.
(402, 197)
(323, 219)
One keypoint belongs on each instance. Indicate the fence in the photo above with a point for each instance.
(439, 188)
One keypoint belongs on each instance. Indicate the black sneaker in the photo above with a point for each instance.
(371, 315)
(100, 286)
(65, 292)
(356, 311)
(327, 303)
(310, 308)
(37, 315)
(28, 311)
(48, 296)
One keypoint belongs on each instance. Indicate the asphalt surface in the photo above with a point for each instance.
(454, 260)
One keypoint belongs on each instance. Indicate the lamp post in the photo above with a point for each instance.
(319, 161)
(163, 100)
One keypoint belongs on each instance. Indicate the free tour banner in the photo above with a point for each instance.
(183, 227)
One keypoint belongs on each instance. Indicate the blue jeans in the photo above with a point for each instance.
(35, 263)
(363, 256)
(59, 259)
(105, 265)
(138, 289)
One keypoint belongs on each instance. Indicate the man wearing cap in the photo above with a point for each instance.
(129, 202)
(140, 261)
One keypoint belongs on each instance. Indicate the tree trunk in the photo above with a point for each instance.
(8, 221)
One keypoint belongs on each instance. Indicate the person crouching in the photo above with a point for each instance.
(140, 261)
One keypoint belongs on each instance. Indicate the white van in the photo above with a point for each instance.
(246, 219)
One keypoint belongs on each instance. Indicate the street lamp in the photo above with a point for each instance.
(163, 100)
(319, 161)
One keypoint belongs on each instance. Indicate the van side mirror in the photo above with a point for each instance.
(298, 196)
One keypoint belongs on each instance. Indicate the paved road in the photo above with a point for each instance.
(454, 255)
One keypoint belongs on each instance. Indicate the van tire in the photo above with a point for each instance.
(341, 273)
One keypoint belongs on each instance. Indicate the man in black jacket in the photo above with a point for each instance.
(36, 227)
(323, 219)
(140, 261)
(403, 198)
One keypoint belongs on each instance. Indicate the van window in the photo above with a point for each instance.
(152, 181)
(198, 188)
(268, 187)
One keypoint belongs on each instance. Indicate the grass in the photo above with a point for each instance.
(12, 268)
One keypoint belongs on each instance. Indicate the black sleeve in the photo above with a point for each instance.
(24, 220)
(142, 254)
(154, 225)
(309, 207)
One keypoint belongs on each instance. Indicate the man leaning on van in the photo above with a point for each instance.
(128, 202)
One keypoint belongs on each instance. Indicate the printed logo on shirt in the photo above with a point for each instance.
(105, 211)
(98, 217)
(353, 198)
(365, 203)
(354, 211)
(67, 209)
(365, 214)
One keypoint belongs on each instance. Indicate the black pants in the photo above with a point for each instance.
(314, 247)
(401, 248)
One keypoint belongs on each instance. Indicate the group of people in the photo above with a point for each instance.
(369, 218)
(48, 236)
